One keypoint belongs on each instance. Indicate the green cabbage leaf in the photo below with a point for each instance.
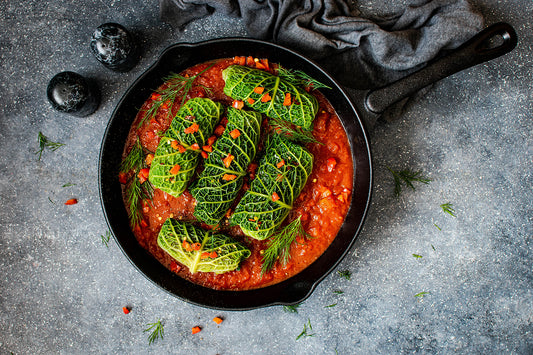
(214, 252)
(204, 113)
(241, 83)
(282, 174)
(214, 191)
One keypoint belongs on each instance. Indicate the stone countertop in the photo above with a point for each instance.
(62, 290)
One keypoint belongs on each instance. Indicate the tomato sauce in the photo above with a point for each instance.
(322, 205)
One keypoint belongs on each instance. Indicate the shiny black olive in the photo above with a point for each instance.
(114, 47)
(71, 93)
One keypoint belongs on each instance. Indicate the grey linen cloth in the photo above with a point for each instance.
(361, 53)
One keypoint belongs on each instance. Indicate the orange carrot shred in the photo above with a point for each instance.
(229, 177)
(71, 201)
(280, 164)
(208, 148)
(175, 169)
(211, 140)
(218, 320)
(192, 128)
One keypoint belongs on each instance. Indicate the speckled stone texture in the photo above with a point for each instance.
(62, 291)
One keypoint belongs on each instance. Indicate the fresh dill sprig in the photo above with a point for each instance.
(433, 247)
(279, 245)
(45, 143)
(52, 202)
(105, 238)
(292, 308)
(416, 256)
(69, 185)
(421, 294)
(135, 191)
(299, 78)
(448, 208)
(292, 132)
(338, 292)
(176, 85)
(407, 177)
(437, 226)
(156, 331)
(331, 305)
(347, 274)
(305, 332)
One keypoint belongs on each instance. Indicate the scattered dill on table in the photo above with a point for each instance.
(68, 185)
(448, 208)
(407, 178)
(156, 331)
(347, 274)
(305, 331)
(45, 143)
(292, 308)
(331, 305)
(105, 238)
(417, 256)
(421, 294)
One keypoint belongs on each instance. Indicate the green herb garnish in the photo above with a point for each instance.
(432, 247)
(437, 226)
(135, 191)
(49, 199)
(331, 305)
(422, 294)
(447, 208)
(338, 292)
(45, 143)
(156, 331)
(406, 177)
(299, 78)
(417, 256)
(69, 185)
(304, 333)
(279, 245)
(292, 308)
(105, 238)
(291, 131)
(347, 274)
(175, 84)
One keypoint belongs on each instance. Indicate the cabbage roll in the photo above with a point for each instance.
(177, 154)
(282, 174)
(218, 185)
(271, 95)
(200, 250)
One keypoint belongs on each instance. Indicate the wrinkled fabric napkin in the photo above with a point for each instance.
(361, 53)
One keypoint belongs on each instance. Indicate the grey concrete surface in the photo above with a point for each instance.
(62, 291)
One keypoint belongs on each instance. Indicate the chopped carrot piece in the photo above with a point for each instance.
(126, 310)
(122, 178)
(196, 329)
(219, 130)
(235, 133)
(331, 163)
(174, 144)
(204, 154)
(264, 61)
(218, 320)
(143, 175)
(192, 128)
(229, 177)
(208, 148)
(143, 223)
(275, 196)
(186, 245)
(266, 97)
(155, 96)
(259, 65)
(196, 246)
(279, 177)
(239, 60)
(175, 169)
(287, 100)
(204, 255)
(227, 160)
(238, 104)
(174, 267)
(280, 163)
(211, 140)
(195, 146)
(259, 90)
(149, 159)
(250, 101)
(250, 61)
(71, 201)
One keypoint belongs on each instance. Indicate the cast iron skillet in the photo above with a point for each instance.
(184, 55)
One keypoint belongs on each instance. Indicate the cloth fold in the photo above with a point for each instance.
(360, 52)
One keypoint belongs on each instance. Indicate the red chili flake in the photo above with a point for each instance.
(143, 223)
(126, 310)
(71, 201)
(155, 96)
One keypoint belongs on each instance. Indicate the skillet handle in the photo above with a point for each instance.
(475, 51)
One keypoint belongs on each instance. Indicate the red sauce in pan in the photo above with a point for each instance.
(322, 204)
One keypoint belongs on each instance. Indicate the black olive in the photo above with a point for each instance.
(70, 92)
(114, 47)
